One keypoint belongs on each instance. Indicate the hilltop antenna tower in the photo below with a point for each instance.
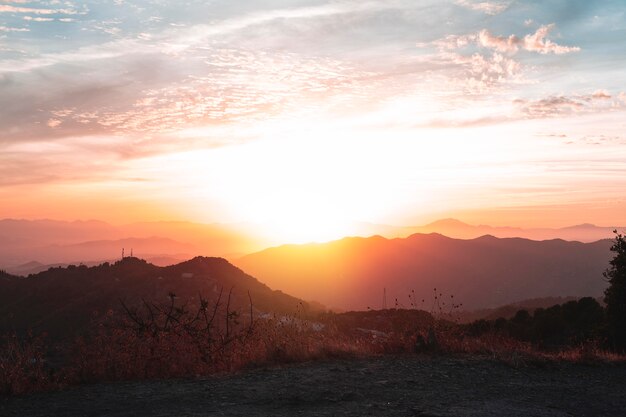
(122, 253)
(131, 252)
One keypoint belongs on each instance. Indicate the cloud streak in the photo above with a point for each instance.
(17, 9)
(490, 8)
(128, 82)
(559, 106)
(11, 29)
(534, 42)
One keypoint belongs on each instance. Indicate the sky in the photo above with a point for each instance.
(305, 117)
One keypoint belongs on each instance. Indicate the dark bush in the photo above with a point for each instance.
(569, 324)
(615, 295)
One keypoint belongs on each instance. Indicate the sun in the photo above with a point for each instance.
(320, 183)
(301, 217)
(288, 192)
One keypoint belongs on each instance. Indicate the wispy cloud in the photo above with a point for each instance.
(236, 85)
(11, 29)
(558, 106)
(38, 19)
(175, 40)
(534, 42)
(17, 9)
(491, 8)
(537, 42)
(130, 80)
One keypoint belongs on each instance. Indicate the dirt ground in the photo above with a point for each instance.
(385, 386)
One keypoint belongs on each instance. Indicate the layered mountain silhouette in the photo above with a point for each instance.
(90, 242)
(50, 242)
(63, 301)
(457, 229)
(486, 272)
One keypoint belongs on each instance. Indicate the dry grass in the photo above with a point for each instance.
(172, 345)
(22, 365)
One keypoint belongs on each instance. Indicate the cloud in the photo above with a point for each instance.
(602, 95)
(53, 123)
(509, 44)
(549, 107)
(28, 163)
(203, 32)
(16, 9)
(486, 72)
(477, 73)
(38, 19)
(204, 81)
(232, 85)
(178, 37)
(152, 98)
(561, 105)
(11, 29)
(535, 42)
(490, 8)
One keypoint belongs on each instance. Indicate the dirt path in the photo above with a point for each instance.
(387, 386)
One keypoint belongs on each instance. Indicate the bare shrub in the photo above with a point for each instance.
(22, 365)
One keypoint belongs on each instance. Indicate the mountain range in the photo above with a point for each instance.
(454, 228)
(426, 270)
(49, 242)
(429, 272)
(91, 242)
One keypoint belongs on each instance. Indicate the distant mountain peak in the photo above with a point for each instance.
(31, 264)
(204, 261)
(489, 237)
(131, 260)
(432, 235)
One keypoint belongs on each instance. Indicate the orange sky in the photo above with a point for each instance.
(304, 120)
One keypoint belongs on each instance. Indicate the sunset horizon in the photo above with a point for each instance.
(312, 207)
(500, 113)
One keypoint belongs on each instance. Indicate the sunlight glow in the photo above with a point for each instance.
(320, 186)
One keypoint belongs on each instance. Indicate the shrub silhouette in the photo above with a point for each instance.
(615, 294)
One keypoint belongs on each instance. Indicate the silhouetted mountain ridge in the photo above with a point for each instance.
(484, 272)
(50, 241)
(63, 301)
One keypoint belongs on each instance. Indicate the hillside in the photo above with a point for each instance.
(63, 301)
(486, 272)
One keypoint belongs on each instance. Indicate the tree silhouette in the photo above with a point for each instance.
(615, 294)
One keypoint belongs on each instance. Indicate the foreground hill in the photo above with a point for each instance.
(486, 272)
(63, 301)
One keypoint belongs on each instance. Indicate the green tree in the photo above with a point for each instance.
(615, 294)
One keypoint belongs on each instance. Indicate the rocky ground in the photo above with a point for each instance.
(385, 386)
